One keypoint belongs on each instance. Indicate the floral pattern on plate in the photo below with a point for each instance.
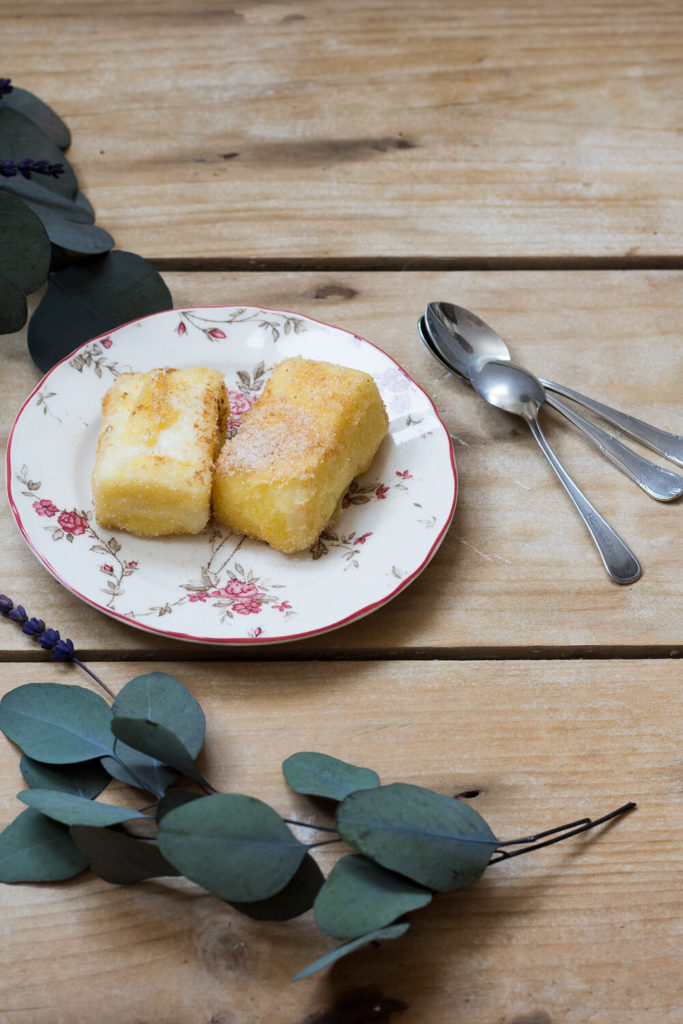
(218, 587)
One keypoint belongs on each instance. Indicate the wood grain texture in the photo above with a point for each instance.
(517, 570)
(586, 931)
(332, 130)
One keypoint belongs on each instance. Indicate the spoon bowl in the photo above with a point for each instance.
(460, 338)
(517, 391)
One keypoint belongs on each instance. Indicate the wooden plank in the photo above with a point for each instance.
(585, 931)
(517, 570)
(325, 131)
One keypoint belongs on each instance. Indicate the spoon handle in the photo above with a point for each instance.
(618, 559)
(661, 441)
(660, 484)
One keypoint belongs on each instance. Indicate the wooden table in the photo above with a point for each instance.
(353, 162)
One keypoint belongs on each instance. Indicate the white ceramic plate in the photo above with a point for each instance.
(218, 587)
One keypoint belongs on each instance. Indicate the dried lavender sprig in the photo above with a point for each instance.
(49, 639)
(6, 87)
(28, 166)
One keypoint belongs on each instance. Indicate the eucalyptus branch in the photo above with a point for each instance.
(573, 828)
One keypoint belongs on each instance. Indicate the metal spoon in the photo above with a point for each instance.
(515, 390)
(472, 339)
(473, 343)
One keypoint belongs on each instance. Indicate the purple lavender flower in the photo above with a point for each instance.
(63, 650)
(28, 166)
(34, 627)
(48, 638)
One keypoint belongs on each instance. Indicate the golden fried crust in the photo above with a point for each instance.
(315, 427)
(160, 434)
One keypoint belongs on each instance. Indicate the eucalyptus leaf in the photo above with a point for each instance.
(161, 698)
(76, 810)
(57, 723)
(86, 779)
(90, 298)
(295, 899)
(22, 138)
(136, 769)
(439, 842)
(394, 931)
(25, 253)
(34, 848)
(69, 222)
(322, 775)
(235, 846)
(359, 897)
(118, 858)
(24, 246)
(175, 798)
(42, 116)
(159, 743)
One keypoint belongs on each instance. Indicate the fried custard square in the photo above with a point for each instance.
(161, 432)
(315, 427)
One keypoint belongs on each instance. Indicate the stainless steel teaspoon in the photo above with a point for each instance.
(472, 342)
(515, 390)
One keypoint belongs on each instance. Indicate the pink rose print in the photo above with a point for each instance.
(181, 329)
(107, 568)
(404, 475)
(248, 607)
(239, 402)
(382, 491)
(236, 589)
(200, 596)
(216, 333)
(106, 342)
(72, 523)
(283, 607)
(131, 565)
(45, 507)
(363, 537)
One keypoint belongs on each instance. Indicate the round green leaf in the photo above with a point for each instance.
(359, 897)
(24, 246)
(35, 849)
(235, 846)
(25, 253)
(93, 297)
(439, 842)
(161, 698)
(76, 810)
(159, 743)
(322, 775)
(295, 899)
(57, 723)
(87, 778)
(119, 858)
(69, 222)
(22, 138)
(394, 931)
(42, 116)
(14, 308)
